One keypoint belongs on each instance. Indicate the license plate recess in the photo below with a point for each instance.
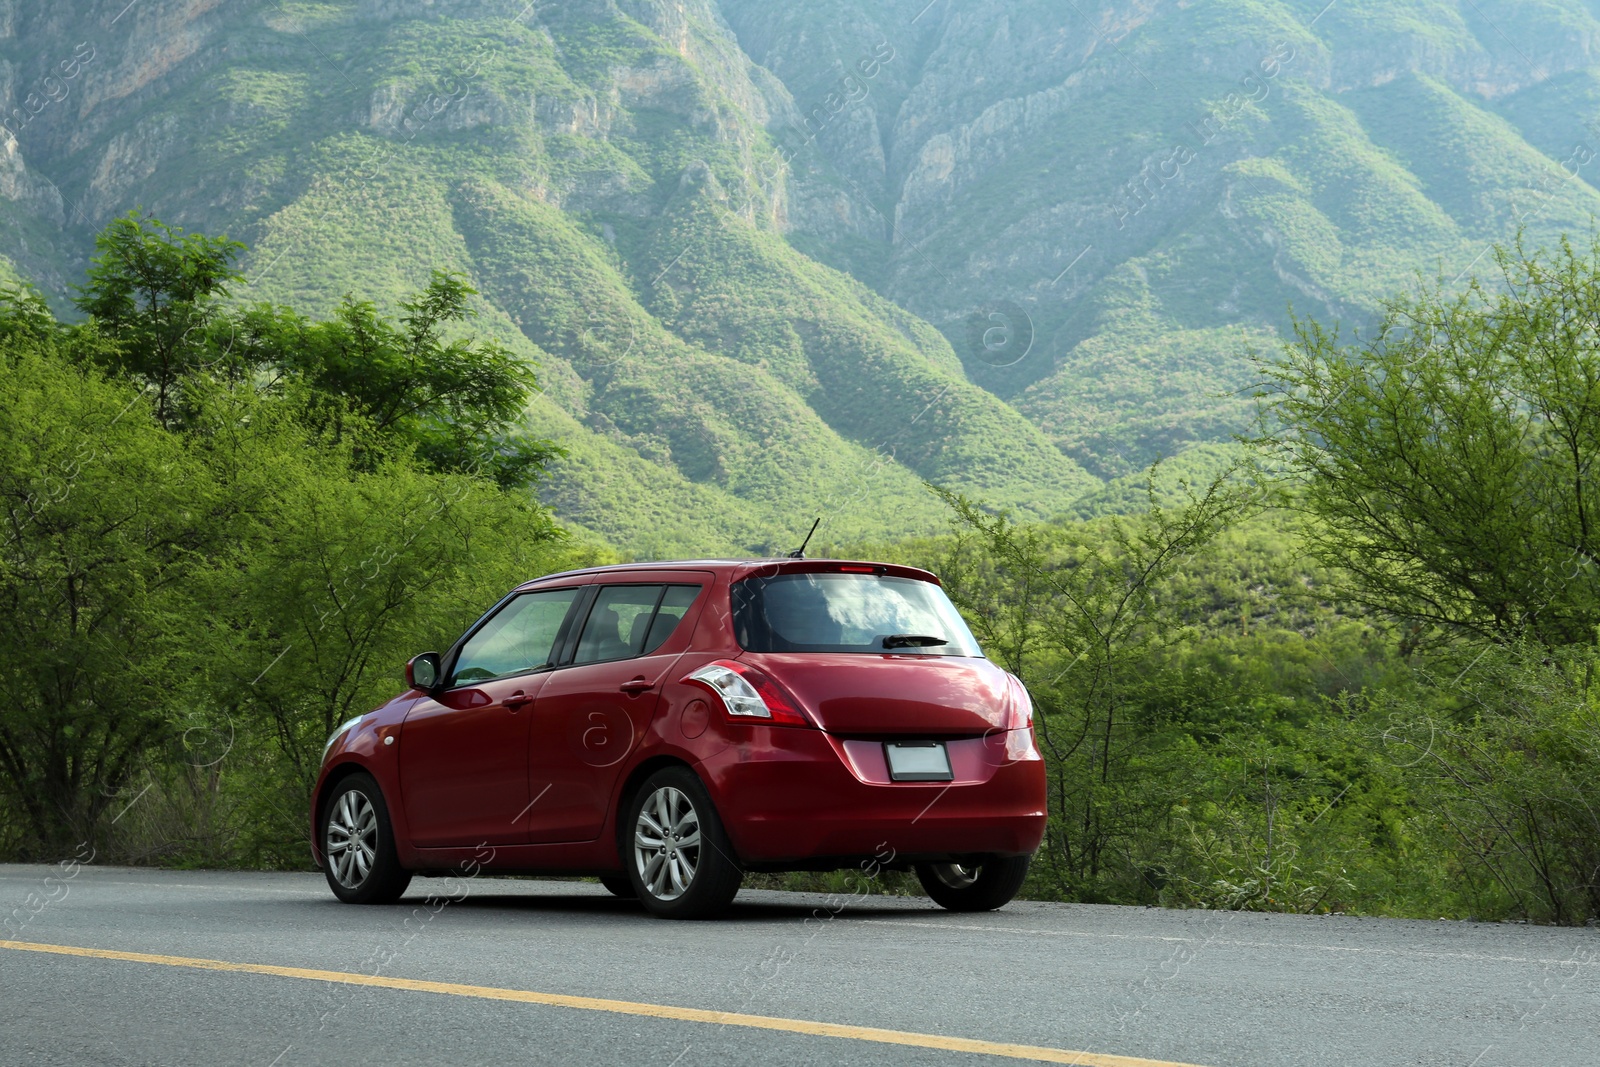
(917, 761)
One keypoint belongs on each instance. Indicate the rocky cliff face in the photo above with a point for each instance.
(102, 95)
(601, 170)
(1100, 175)
(1102, 207)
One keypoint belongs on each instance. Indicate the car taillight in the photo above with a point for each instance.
(1020, 713)
(747, 694)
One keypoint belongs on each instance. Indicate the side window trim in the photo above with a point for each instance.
(572, 626)
(699, 592)
(650, 623)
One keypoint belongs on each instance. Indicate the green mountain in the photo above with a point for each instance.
(594, 168)
(779, 261)
(1152, 185)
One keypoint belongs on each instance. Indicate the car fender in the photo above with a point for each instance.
(372, 744)
(663, 744)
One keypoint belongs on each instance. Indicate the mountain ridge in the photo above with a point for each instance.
(781, 261)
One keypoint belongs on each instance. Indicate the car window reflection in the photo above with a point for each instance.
(520, 636)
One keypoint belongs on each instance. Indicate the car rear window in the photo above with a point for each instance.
(833, 612)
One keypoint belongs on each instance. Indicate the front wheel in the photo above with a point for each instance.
(984, 887)
(358, 845)
(678, 857)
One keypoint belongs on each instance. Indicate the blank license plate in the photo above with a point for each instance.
(918, 761)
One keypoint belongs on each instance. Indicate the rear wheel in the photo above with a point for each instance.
(679, 861)
(358, 845)
(984, 887)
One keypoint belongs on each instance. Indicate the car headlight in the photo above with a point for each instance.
(339, 732)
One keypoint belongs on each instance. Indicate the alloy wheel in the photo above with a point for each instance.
(666, 843)
(955, 875)
(352, 843)
(989, 883)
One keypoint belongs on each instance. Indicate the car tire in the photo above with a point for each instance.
(359, 857)
(986, 887)
(677, 856)
(618, 886)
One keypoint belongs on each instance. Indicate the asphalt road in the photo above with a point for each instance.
(513, 972)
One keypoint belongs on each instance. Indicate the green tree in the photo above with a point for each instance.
(336, 573)
(1243, 773)
(456, 402)
(159, 297)
(229, 528)
(105, 527)
(1509, 765)
(157, 292)
(1447, 469)
(1450, 462)
(27, 322)
(1077, 612)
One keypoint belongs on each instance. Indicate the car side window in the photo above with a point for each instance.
(673, 607)
(519, 637)
(618, 622)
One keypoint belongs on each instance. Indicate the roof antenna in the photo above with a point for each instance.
(800, 553)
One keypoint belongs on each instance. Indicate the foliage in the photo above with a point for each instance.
(1071, 611)
(157, 295)
(1449, 462)
(445, 399)
(224, 540)
(155, 291)
(106, 523)
(1248, 770)
(1446, 471)
(1509, 764)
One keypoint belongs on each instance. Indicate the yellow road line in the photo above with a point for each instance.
(621, 1007)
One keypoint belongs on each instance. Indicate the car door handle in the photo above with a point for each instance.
(516, 700)
(638, 685)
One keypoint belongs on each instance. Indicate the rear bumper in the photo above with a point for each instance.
(796, 796)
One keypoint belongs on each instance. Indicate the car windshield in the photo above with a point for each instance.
(833, 612)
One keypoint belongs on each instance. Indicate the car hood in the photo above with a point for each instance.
(892, 695)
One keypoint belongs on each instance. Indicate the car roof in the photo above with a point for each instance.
(737, 569)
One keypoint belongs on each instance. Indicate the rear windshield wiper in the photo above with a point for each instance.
(913, 640)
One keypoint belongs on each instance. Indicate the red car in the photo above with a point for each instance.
(670, 726)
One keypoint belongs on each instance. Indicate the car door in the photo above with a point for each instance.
(595, 708)
(463, 751)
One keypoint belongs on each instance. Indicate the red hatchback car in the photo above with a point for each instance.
(669, 726)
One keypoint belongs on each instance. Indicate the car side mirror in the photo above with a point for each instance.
(423, 672)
